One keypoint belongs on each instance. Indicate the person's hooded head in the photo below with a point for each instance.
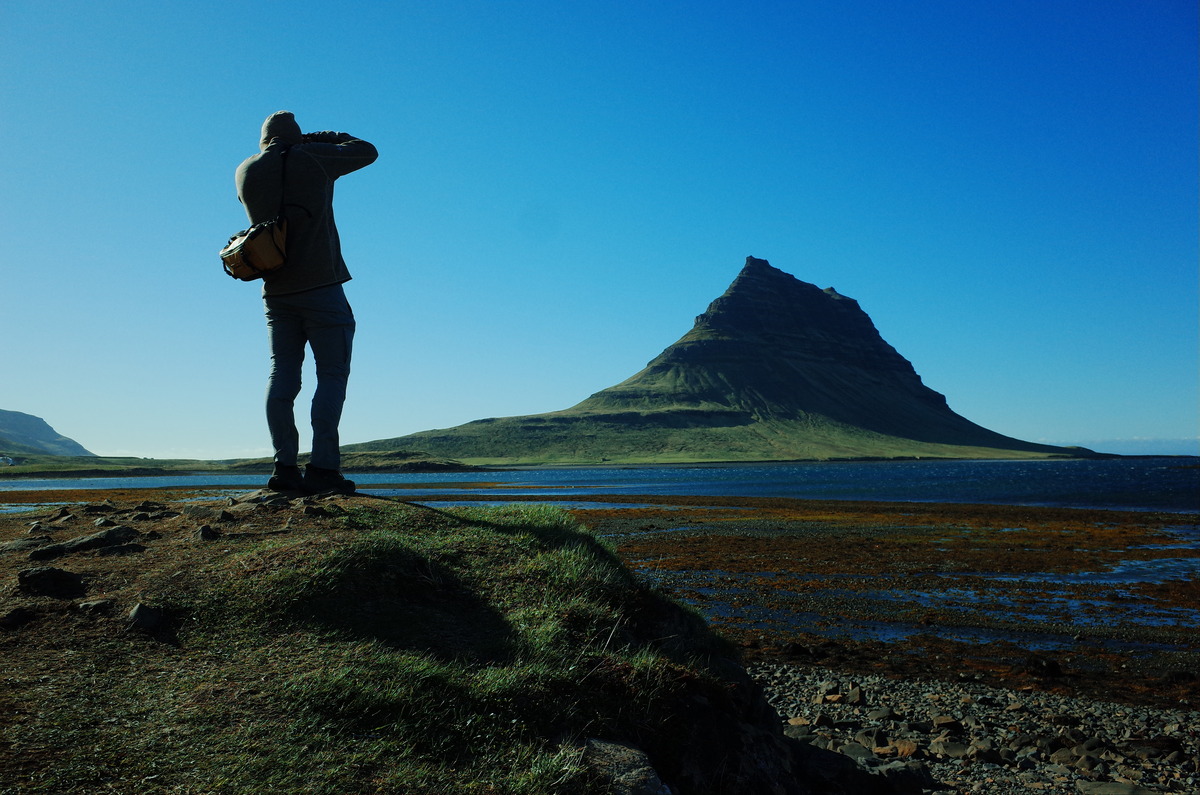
(282, 125)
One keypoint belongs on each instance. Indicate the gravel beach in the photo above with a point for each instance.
(972, 738)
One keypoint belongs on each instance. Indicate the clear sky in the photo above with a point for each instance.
(1007, 187)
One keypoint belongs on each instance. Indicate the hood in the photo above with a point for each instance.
(282, 125)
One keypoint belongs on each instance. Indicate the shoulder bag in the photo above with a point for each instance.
(260, 249)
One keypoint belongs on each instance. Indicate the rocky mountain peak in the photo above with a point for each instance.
(765, 300)
(774, 369)
(773, 347)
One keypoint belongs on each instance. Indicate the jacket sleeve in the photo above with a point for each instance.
(339, 153)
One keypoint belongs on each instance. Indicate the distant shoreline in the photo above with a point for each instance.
(6, 473)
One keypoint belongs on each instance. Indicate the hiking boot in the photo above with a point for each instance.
(322, 481)
(286, 478)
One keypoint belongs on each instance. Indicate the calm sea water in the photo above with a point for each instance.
(1152, 484)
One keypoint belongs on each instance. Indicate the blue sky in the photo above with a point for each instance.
(1008, 188)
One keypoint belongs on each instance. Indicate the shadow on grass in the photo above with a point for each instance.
(402, 599)
(648, 619)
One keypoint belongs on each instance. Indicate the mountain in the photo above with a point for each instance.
(775, 369)
(25, 434)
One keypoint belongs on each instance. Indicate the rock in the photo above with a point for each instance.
(947, 723)
(1111, 788)
(104, 521)
(1063, 756)
(16, 618)
(35, 527)
(907, 778)
(23, 544)
(147, 619)
(984, 751)
(822, 719)
(625, 769)
(802, 733)
(105, 538)
(872, 738)
(100, 507)
(1151, 748)
(856, 751)
(827, 692)
(207, 533)
(95, 607)
(949, 748)
(266, 497)
(1091, 746)
(50, 581)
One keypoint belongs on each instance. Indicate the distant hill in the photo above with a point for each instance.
(775, 369)
(25, 434)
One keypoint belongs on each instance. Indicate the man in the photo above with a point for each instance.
(305, 302)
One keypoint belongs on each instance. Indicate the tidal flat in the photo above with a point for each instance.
(1077, 602)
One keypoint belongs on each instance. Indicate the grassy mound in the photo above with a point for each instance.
(359, 646)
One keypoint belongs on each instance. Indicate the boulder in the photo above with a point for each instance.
(16, 617)
(147, 619)
(624, 769)
(50, 581)
(24, 544)
(109, 537)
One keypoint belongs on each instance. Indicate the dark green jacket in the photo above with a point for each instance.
(313, 162)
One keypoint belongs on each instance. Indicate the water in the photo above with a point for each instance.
(1146, 484)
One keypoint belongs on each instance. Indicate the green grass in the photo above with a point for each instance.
(666, 437)
(65, 464)
(405, 650)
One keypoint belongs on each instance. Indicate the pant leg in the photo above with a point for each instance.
(285, 331)
(329, 326)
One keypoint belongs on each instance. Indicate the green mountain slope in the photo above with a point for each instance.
(25, 434)
(775, 369)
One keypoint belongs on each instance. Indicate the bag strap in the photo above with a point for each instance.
(283, 176)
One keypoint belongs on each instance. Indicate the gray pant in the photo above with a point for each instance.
(323, 320)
